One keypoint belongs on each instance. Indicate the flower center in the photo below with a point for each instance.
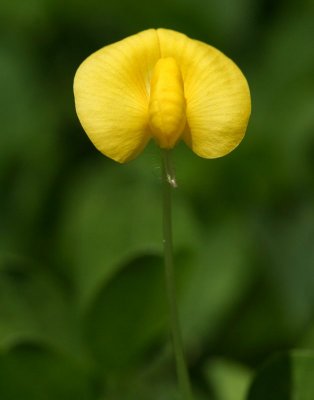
(166, 110)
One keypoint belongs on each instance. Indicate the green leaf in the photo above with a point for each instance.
(291, 267)
(112, 215)
(127, 316)
(285, 377)
(216, 281)
(34, 309)
(229, 380)
(31, 373)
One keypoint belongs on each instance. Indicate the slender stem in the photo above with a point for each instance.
(168, 180)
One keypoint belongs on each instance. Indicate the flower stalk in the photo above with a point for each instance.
(169, 182)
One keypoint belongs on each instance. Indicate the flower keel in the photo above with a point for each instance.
(167, 106)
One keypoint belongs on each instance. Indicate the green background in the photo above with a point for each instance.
(83, 313)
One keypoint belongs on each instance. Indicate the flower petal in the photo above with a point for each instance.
(166, 110)
(217, 95)
(111, 89)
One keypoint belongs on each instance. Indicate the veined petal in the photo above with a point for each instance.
(166, 111)
(218, 103)
(111, 89)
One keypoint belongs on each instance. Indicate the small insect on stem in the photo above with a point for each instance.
(169, 170)
(172, 181)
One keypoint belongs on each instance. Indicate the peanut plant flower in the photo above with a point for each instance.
(161, 84)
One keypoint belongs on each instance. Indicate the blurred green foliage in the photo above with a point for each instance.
(82, 300)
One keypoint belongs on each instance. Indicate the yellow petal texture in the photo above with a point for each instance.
(167, 103)
(217, 95)
(111, 89)
(161, 84)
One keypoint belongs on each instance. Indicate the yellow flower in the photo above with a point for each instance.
(161, 84)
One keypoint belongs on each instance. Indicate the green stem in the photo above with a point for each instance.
(168, 180)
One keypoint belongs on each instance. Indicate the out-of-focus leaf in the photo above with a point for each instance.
(112, 215)
(291, 268)
(307, 340)
(163, 387)
(128, 315)
(223, 18)
(285, 377)
(280, 306)
(229, 380)
(143, 391)
(28, 121)
(29, 149)
(17, 13)
(34, 309)
(216, 281)
(31, 373)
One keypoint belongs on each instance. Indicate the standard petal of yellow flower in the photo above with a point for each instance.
(111, 89)
(167, 103)
(218, 103)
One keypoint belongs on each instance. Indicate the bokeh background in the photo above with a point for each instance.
(83, 311)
